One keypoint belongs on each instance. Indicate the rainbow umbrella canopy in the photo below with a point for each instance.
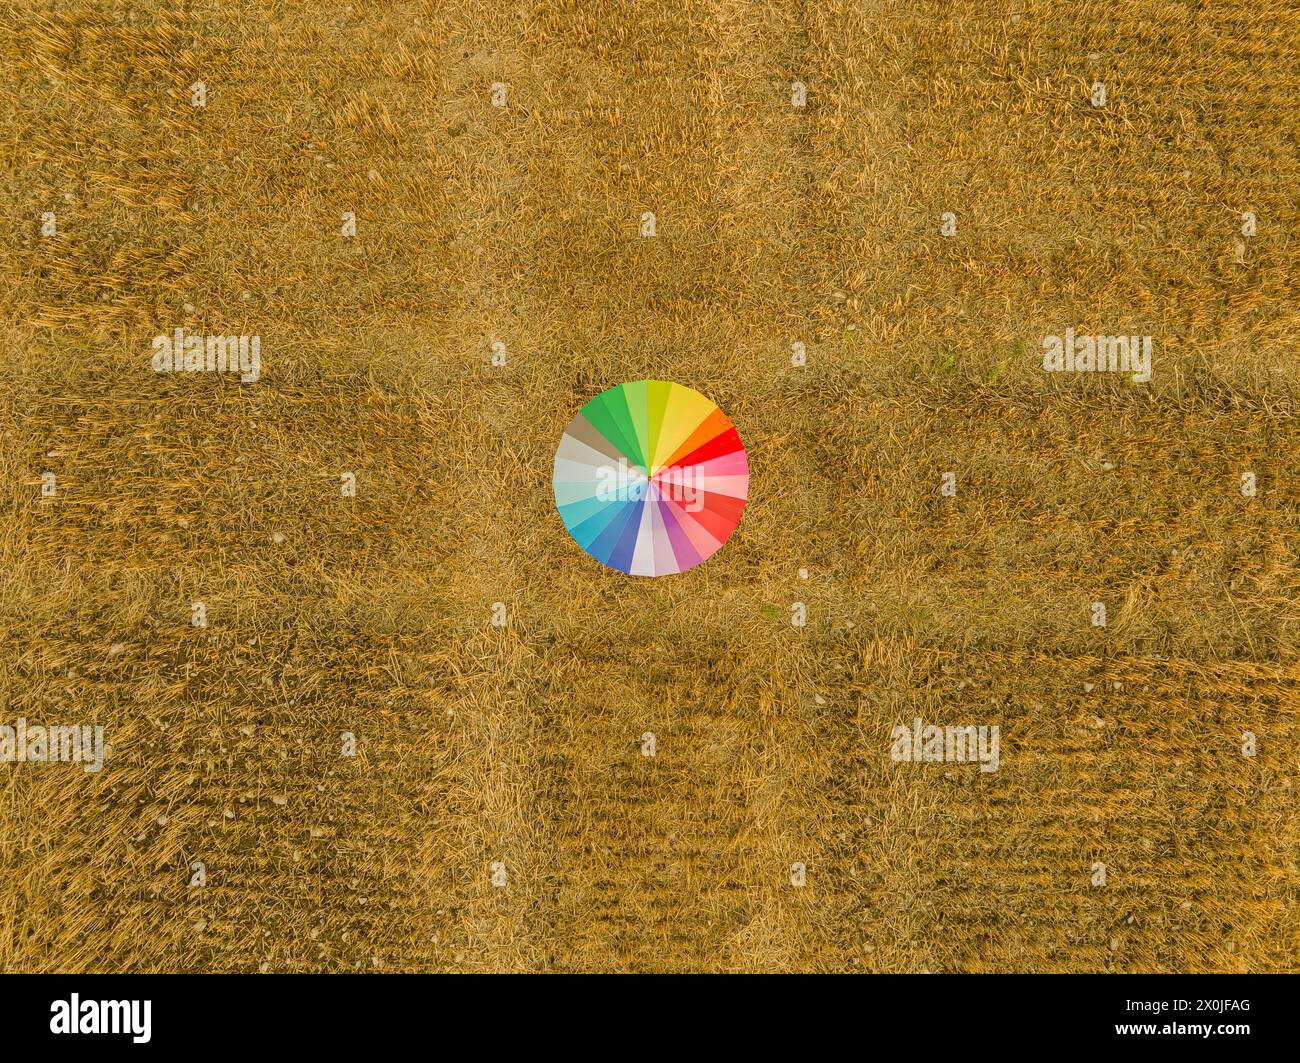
(650, 478)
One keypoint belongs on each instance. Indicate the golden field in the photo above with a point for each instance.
(775, 224)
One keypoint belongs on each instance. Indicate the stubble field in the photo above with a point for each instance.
(521, 746)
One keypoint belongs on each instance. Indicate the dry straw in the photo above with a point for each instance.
(521, 745)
